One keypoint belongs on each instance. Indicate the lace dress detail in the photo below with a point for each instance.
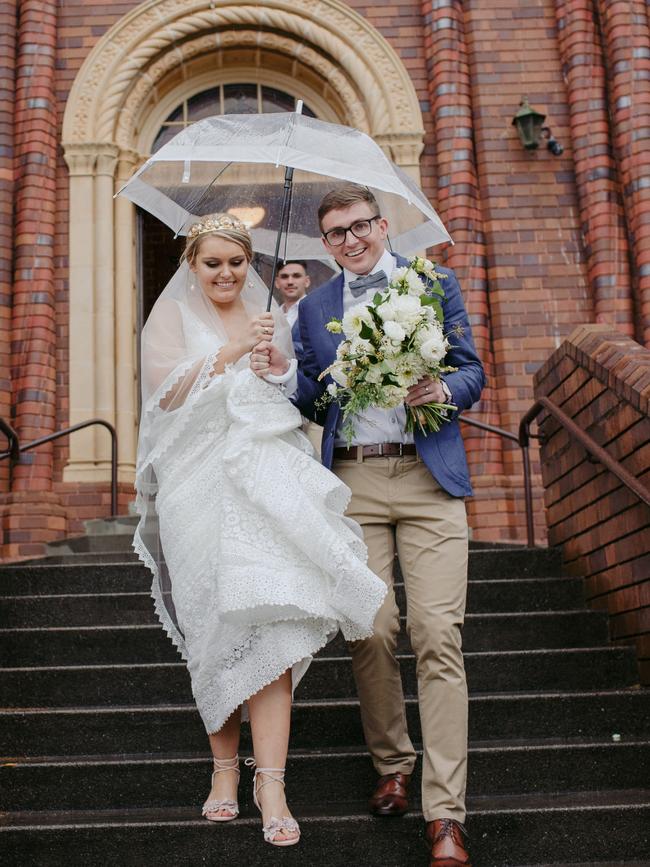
(264, 567)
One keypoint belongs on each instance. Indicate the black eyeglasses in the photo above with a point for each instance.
(360, 229)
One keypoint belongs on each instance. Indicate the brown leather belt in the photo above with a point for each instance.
(376, 450)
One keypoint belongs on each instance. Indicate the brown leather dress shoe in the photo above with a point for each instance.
(446, 838)
(390, 797)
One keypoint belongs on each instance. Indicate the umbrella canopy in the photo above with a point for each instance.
(236, 163)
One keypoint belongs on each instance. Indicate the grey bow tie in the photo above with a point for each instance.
(359, 287)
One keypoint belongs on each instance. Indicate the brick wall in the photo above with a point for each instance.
(7, 189)
(543, 243)
(601, 379)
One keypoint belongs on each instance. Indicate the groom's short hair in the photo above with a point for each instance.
(343, 197)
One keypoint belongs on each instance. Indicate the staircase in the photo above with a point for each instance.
(106, 760)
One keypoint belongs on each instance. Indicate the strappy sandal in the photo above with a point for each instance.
(274, 826)
(216, 805)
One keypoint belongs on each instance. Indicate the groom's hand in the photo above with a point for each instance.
(426, 390)
(267, 358)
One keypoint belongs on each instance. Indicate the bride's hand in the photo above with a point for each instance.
(259, 329)
(267, 358)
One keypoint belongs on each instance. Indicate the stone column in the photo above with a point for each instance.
(81, 160)
(126, 366)
(601, 209)
(33, 506)
(7, 193)
(626, 34)
(104, 293)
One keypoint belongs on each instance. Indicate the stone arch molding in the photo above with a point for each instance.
(108, 106)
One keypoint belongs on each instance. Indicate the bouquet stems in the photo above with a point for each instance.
(428, 417)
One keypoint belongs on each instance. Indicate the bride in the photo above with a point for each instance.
(255, 568)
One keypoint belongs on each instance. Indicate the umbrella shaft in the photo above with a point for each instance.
(284, 225)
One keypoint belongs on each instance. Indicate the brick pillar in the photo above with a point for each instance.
(7, 85)
(601, 209)
(626, 34)
(32, 507)
(459, 205)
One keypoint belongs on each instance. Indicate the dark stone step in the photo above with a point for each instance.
(92, 573)
(98, 543)
(318, 725)
(327, 678)
(93, 609)
(120, 531)
(52, 579)
(343, 776)
(505, 831)
(115, 608)
(114, 645)
(110, 558)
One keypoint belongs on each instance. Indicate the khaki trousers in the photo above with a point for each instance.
(397, 502)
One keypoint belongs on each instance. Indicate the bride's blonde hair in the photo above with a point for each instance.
(222, 226)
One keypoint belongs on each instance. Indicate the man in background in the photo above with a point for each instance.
(292, 282)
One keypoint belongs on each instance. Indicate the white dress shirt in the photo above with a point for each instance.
(291, 312)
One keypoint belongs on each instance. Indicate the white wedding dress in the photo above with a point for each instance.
(259, 568)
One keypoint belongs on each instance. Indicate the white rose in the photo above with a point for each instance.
(427, 332)
(332, 389)
(434, 349)
(408, 311)
(394, 331)
(415, 285)
(386, 310)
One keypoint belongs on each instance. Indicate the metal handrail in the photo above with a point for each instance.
(524, 437)
(15, 449)
(587, 442)
(528, 490)
(12, 437)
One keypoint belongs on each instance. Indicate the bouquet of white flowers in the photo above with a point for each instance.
(388, 346)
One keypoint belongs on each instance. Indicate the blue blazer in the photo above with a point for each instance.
(443, 453)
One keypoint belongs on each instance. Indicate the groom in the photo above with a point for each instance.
(407, 494)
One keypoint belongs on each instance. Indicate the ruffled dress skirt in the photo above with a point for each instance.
(263, 565)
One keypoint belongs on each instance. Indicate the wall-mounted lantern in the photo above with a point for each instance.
(531, 130)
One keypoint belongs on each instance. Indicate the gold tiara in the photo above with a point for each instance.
(214, 224)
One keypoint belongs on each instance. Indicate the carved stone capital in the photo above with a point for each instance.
(106, 159)
(81, 158)
(404, 148)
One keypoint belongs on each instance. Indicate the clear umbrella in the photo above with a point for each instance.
(236, 163)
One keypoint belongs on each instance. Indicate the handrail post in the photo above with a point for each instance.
(528, 496)
(524, 444)
(113, 472)
(13, 453)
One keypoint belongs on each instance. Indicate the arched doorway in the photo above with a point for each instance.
(139, 72)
